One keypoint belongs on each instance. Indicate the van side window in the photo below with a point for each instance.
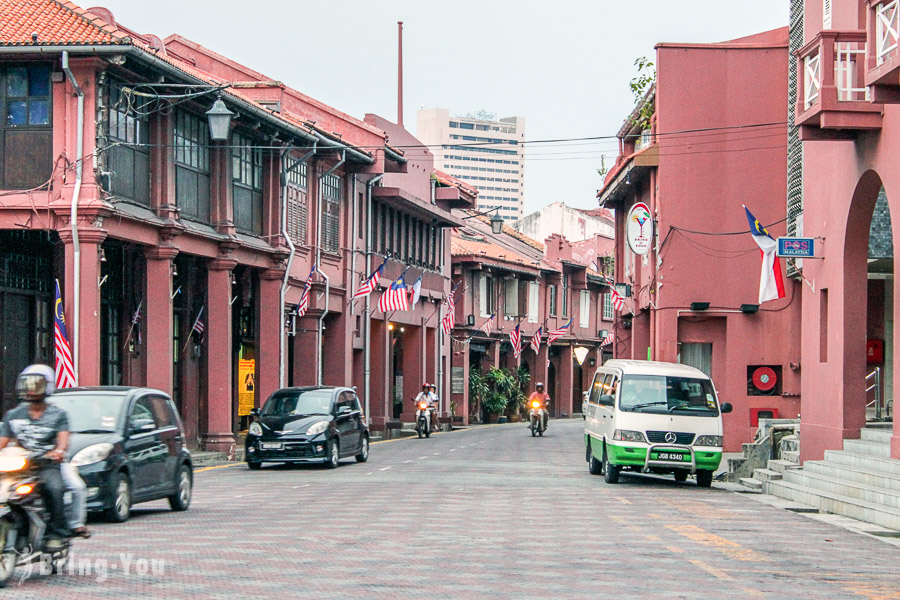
(596, 388)
(613, 385)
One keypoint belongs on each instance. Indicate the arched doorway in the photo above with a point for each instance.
(880, 313)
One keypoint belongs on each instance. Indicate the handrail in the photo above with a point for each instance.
(879, 405)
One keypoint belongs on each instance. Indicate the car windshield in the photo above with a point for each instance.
(668, 395)
(314, 402)
(90, 413)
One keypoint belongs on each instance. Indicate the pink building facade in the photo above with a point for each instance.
(708, 148)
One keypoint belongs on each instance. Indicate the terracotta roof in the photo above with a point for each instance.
(56, 22)
(511, 232)
(465, 245)
(450, 180)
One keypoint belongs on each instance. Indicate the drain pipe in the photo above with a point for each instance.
(367, 361)
(320, 200)
(73, 212)
(291, 249)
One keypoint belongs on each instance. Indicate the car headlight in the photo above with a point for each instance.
(317, 428)
(91, 454)
(255, 429)
(709, 440)
(625, 435)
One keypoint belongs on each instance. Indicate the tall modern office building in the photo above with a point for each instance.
(484, 152)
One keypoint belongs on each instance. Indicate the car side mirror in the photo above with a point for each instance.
(254, 412)
(142, 425)
(726, 407)
(344, 410)
(607, 400)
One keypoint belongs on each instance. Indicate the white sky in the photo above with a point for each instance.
(563, 65)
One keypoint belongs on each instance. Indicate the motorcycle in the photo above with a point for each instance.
(537, 418)
(23, 517)
(423, 420)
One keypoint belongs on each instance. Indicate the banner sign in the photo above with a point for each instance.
(796, 247)
(639, 228)
(246, 386)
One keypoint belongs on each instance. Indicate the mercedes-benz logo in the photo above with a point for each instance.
(671, 437)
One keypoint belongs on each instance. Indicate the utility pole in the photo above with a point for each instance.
(400, 73)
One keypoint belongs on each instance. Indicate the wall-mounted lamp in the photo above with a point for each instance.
(699, 305)
(592, 362)
(580, 354)
(749, 309)
(603, 333)
(390, 326)
(233, 279)
(174, 269)
(102, 254)
(219, 121)
(470, 320)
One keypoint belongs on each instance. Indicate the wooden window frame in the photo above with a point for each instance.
(191, 155)
(36, 157)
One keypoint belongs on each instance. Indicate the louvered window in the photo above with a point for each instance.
(128, 159)
(297, 204)
(826, 14)
(331, 216)
(795, 146)
(192, 166)
(246, 175)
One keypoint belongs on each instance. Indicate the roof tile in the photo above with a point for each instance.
(55, 22)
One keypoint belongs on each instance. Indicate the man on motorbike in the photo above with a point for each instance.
(435, 402)
(428, 398)
(43, 430)
(539, 395)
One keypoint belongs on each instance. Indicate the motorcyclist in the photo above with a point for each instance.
(435, 402)
(428, 398)
(43, 430)
(539, 395)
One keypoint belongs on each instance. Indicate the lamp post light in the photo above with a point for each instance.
(219, 121)
(496, 219)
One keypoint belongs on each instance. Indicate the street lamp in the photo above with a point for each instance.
(580, 354)
(496, 219)
(219, 121)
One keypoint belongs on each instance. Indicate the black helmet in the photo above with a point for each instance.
(539, 385)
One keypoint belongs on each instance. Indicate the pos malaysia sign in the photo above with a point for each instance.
(639, 228)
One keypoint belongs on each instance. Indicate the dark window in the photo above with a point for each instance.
(331, 218)
(140, 411)
(192, 166)
(163, 415)
(297, 204)
(246, 175)
(565, 296)
(128, 158)
(26, 135)
(551, 290)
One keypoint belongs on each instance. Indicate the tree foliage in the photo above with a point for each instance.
(640, 84)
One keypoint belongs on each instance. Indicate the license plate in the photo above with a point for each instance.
(674, 456)
(271, 446)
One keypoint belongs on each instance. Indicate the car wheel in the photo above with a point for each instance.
(595, 467)
(610, 471)
(680, 475)
(254, 466)
(334, 454)
(363, 455)
(704, 478)
(121, 493)
(181, 499)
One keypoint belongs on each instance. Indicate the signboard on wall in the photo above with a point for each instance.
(457, 380)
(246, 386)
(796, 247)
(639, 228)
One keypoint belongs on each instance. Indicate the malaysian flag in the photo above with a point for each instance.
(488, 326)
(303, 305)
(609, 339)
(515, 338)
(65, 370)
(450, 303)
(558, 333)
(536, 339)
(395, 297)
(371, 283)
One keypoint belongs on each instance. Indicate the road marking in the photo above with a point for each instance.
(384, 468)
(675, 549)
(422, 457)
(730, 549)
(652, 538)
(753, 592)
(436, 454)
(297, 487)
(369, 473)
(403, 439)
(712, 570)
(452, 449)
(217, 467)
(623, 500)
(654, 516)
(406, 461)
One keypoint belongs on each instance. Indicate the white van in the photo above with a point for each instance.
(653, 417)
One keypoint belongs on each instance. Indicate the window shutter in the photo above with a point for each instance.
(584, 311)
(482, 295)
(826, 14)
(523, 298)
(511, 298)
(533, 290)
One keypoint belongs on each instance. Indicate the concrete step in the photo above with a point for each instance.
(873, 477)
(839, 485)
(781, 465)
(863, 461)
(752, 483)
(790, 443)
(831, 502)
(868, 447)
(874, 434)
(766, 474)
(791, 456)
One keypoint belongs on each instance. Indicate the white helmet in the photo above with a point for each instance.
(35, 383)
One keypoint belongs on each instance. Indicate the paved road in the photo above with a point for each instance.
(483, 513)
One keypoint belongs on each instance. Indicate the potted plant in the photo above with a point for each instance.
(495, 403)
(478, 392)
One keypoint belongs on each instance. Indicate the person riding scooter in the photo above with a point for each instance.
(43, 430)
(428, 398)
(435, 403)
(540, 396)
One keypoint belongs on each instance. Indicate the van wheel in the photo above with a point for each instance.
(704, 478)
(610, 471)
(595, 467)
(680, 475)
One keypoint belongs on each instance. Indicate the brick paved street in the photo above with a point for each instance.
(488, 512)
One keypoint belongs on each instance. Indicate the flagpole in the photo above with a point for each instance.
(131, 329)
(199, 314)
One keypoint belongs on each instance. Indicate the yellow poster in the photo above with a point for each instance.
(246, 386)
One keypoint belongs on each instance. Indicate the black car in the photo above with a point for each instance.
(128, 446)
(308, 425)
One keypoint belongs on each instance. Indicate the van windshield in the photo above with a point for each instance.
(668, 395)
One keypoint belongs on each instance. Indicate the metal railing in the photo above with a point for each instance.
(881, 410)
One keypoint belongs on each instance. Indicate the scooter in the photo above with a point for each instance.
(537, 419)
(23, 517)
(423, 420)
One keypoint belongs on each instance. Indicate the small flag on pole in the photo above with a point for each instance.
(488, 326)
(515, 338)
(450, 307)
(198, 323)
(558, 333)
(415, 292)
(371, 283)
(771, 285)
(609, 339)
(303, 305)
(136, 322)
(536, 339)
(65, 370)
(395, 297)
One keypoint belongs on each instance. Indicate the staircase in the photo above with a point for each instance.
(861, 481)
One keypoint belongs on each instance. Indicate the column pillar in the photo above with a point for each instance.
(566, 381)
(271, 330)
(460, 359)
(377, 370)
(87, 326)
(219, 430)
(159, 319)
(413, 371)
(305, 351)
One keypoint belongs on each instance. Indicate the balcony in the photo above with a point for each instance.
(883, 60)
(833, 100)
